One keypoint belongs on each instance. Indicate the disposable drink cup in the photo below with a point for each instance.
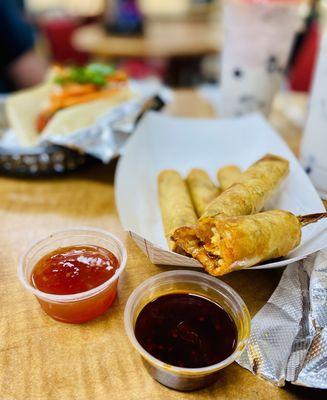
(258, 38)
(314, 143)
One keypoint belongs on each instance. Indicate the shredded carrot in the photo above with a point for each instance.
(118, 76)
(70, 101)
(74, 89)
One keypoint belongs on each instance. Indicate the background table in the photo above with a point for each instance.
(162, 38)
(182, 43)
(41, 359)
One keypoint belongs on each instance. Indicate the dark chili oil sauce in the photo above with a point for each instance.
(186, 330)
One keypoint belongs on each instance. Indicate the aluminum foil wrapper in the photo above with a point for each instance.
(289, 334)
(106, 138)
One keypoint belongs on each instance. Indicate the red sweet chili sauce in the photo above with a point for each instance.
(75, 269)
(72, 270)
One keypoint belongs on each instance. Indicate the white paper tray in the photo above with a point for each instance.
(166, 142)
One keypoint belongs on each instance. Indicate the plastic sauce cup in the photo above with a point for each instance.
(187, 379)
(79, 307)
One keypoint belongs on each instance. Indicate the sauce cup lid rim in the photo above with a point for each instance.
(182, 370)
(65, 298)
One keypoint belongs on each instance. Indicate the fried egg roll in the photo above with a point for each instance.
(202, 189)
(225, 244)
(175, 203)
(227, 176)
(253, 188)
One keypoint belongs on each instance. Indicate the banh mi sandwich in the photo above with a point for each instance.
(88, 92)
(175, 204)
(248, 196)
(22, 109)
(83, 115)
(225, 244)
(227, 176)
(201, 188)
(78, 85)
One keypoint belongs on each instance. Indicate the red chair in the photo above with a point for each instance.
(302, 70)
(59, 31)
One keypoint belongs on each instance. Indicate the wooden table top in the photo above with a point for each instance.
(41, 359)
(161, 39)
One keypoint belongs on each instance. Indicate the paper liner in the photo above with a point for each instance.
(162, 142)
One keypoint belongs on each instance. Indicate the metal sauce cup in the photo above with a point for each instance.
(186, 379)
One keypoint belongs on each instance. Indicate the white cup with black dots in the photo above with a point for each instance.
(314, 142)
(258, 38)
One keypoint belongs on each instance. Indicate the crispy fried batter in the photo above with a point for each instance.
(175, 203)
(243, 241)
(252, 190)
(201, 188)
(227, 176)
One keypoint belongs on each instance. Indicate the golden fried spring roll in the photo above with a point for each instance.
(247, 196)
(175, 203)
(187, 240)
(254, 187)
(201, 188)
(226, 244)
(227, 176)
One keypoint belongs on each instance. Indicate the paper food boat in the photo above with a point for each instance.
(162, 142)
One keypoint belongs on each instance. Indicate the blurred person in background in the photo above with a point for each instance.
(20, 65)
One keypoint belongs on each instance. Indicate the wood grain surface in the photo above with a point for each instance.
(166, 39)
(43, 359)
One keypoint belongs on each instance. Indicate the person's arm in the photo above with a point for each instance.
(18, 60)
(27, 70)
